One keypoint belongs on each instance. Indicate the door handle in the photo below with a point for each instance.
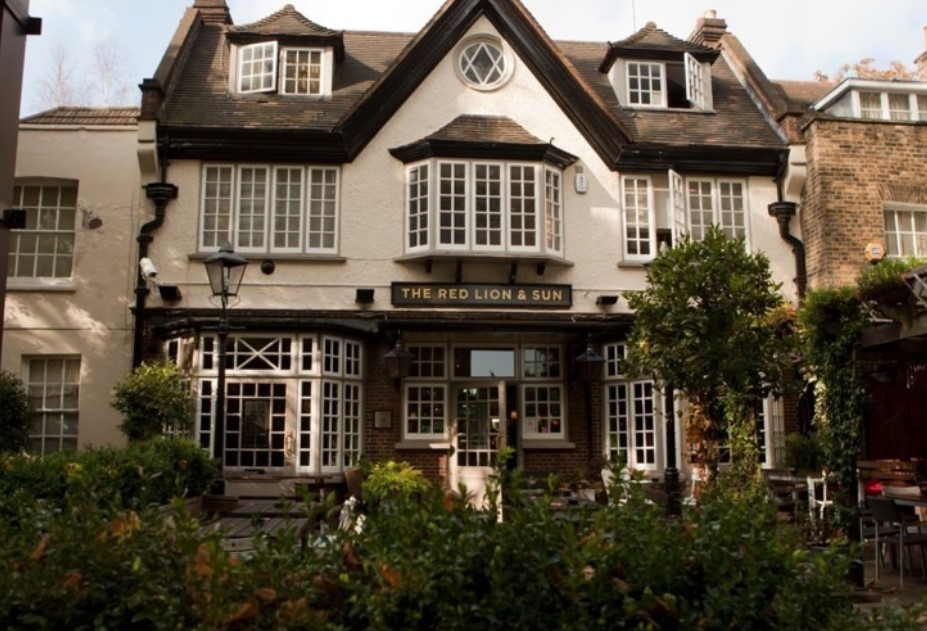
(289, 444)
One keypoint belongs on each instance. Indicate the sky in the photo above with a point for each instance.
(789, 39)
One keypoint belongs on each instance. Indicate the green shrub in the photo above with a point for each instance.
(155, 399)
(15, 413)
(140, 475)
(802, 453)
(393, 480)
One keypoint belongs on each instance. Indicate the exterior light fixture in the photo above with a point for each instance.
(589, 363)
(399, 360)
(226, 271)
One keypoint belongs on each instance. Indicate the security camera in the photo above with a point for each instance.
(148, 268)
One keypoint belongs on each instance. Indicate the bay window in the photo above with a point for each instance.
(484, 206)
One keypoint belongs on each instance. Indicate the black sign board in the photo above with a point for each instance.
(470, 295)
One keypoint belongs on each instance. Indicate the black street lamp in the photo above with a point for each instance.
(225, 270)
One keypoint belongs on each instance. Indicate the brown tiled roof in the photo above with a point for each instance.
(202, 97)
(87, 116)
(803, 94)
(469, 128)
(651, 39)
(735, 120)
(202, 100)
(286, 21)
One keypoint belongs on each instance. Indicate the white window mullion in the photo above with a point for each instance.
(453, 205)
(419, 203)
(322, 201)
(680, 218)
(639, 219)
(251, 209)
(288, 200)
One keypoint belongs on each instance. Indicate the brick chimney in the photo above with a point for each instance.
(709, 29)
(921, 61)
(215, 11)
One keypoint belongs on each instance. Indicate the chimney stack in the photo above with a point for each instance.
(921, 61)
(709, 29)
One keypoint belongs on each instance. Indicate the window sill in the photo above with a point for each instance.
(484, 257)
(268, 256)
(35, 284)
(423, 445)
(538, 443)
(633, 264)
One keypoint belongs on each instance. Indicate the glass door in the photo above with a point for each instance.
(480, 433)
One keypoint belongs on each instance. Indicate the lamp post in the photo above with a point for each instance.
(589, 365)
(225, 270)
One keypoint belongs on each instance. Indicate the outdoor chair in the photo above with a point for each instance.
(887, 518)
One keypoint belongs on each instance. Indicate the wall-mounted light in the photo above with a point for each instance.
(606, 301)
(580, 183)
(169, 293)
(363, 296)
(398, 361)
(589, 363)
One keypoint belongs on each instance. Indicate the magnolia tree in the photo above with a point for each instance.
(712, 325)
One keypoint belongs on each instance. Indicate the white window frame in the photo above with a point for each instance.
(683, 209)
(324, 384)
(63, 234)
(625, 418)
(916, 109)
(638, 218)
(221, 215)
(427, 205)
(286, 64)
(553, 210)
(436, 378)
(698, 82)
(45, 413)
(267, 76)
(656, 96)
(905, 229)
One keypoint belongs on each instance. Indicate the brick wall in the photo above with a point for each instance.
(854, 166)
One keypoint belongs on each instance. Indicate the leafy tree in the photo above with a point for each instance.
(865, 69)
(155, 399)
(712, 325)
(15, 413)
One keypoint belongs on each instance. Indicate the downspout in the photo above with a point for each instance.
(161, 193)
(783, 212)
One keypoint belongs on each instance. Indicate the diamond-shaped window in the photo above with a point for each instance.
(483, 64)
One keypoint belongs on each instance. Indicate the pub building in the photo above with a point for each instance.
(434, 234)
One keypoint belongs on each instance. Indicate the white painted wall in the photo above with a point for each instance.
(372, 212)
(91, 317)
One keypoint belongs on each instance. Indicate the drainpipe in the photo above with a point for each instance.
(783, 212)
(160, 193)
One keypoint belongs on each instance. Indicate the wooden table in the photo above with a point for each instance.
(918, 500)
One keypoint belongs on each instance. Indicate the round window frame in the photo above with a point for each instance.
(508, 60)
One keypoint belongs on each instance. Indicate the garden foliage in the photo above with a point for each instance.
(431, 562)
(15, 413)
(154, 400)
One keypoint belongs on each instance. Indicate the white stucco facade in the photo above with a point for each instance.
(87, 316)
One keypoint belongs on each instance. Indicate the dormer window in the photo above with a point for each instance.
(257, 70)
(896, 106)
(878, 100)
(683, 84)
(267, 67)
